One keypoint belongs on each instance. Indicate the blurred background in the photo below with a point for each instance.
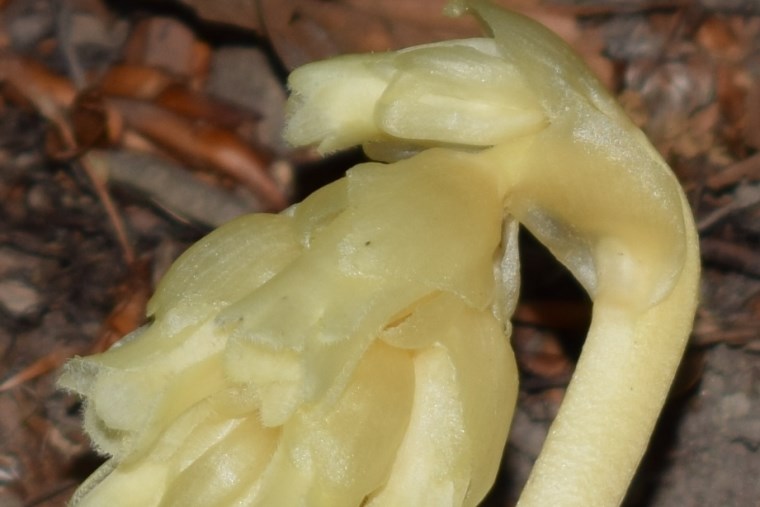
(129, 129)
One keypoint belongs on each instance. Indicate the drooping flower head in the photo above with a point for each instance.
(353, 350)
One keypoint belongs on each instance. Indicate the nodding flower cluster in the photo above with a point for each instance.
(353, 349)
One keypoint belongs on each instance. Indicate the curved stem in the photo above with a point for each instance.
(616, 394)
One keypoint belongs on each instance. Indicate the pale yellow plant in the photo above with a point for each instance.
(352, 350)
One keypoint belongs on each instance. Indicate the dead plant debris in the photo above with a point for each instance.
(127, 131)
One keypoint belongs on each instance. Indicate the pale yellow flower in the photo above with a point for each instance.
(353, 350)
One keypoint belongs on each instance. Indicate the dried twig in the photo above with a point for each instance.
(731, 255)
(51, 95)
(746, 197)
(94, 172)
(747, 169)
(173, 189)
(40, 367)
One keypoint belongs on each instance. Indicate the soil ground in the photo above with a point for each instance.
(95, 204)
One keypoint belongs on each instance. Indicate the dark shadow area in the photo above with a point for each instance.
(312, 176)
(665, 437)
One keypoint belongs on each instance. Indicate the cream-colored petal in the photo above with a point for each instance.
(221, 268)
(336, 453)
(433, 464)
(139, 486)
(332, 102)
(222, 474)
(129, 405)
(413, 218)
(466, 386)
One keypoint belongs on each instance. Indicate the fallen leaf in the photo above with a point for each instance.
(205, 145)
